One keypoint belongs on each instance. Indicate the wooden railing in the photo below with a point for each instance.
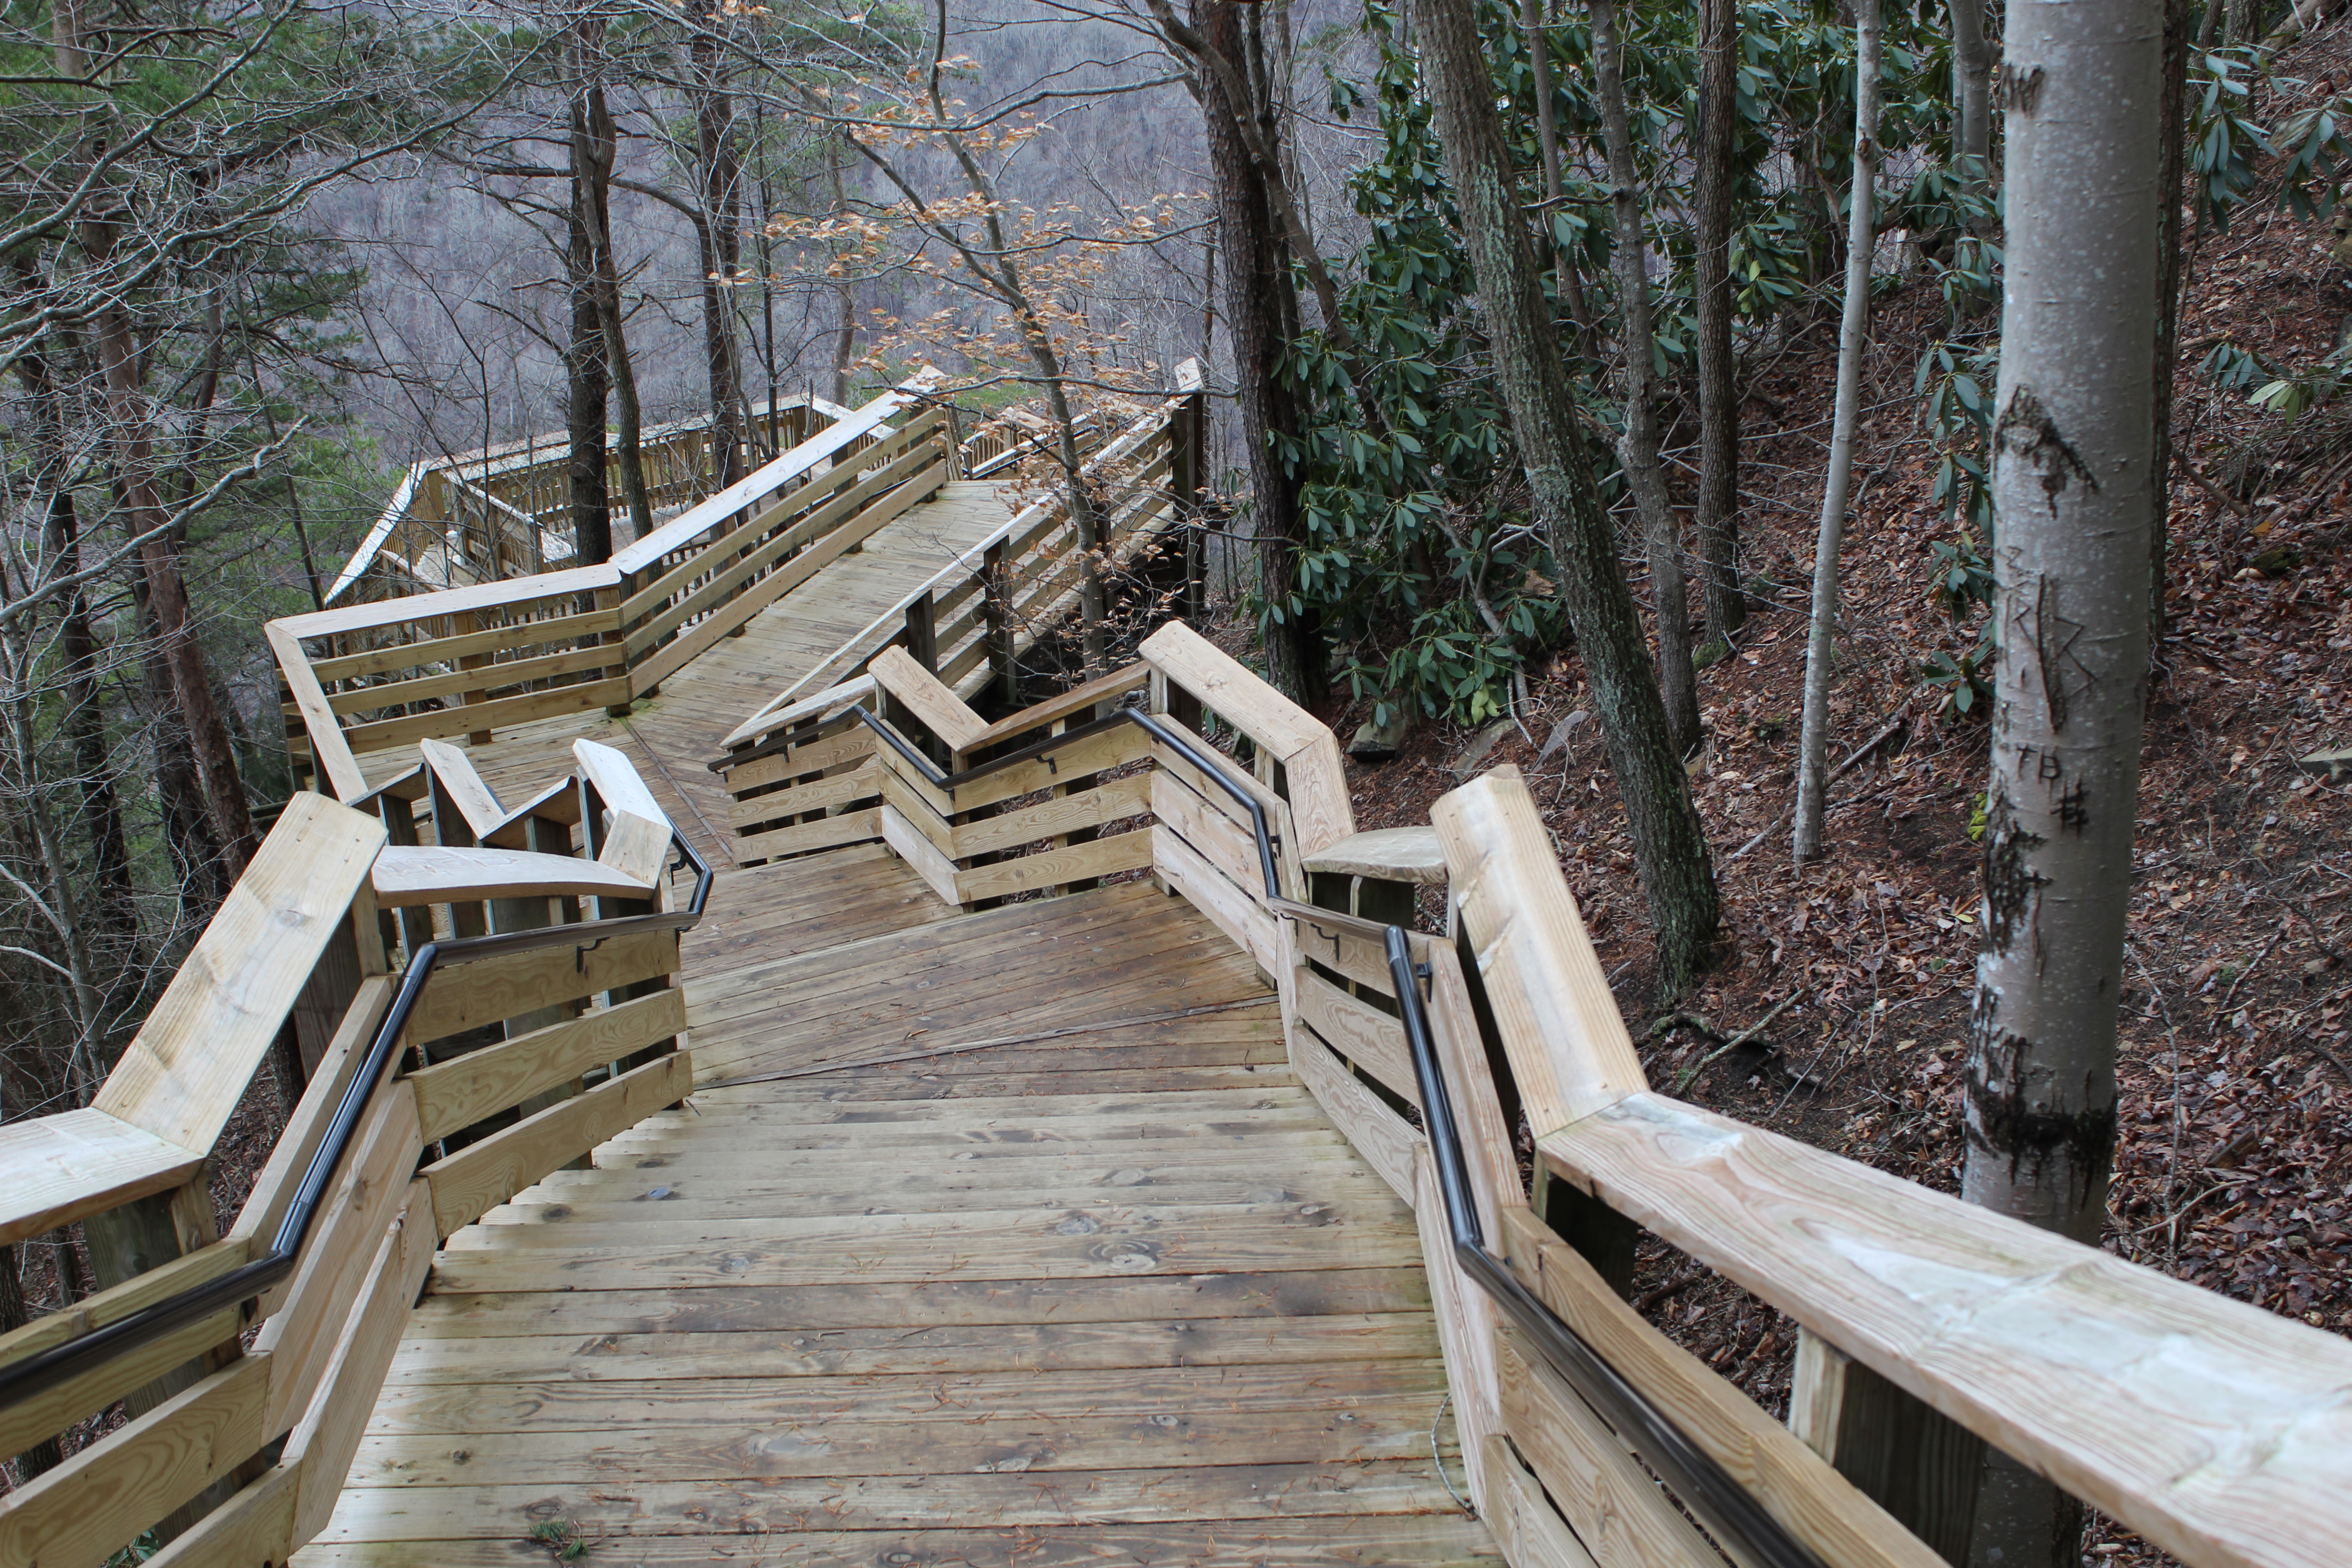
(1930, 1330)
(504, 511)
(968, 622)
(250, 1363)
(1058, 795)
(471, 662)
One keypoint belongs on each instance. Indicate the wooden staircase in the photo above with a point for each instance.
(1059, 1139)
(1113, 1290)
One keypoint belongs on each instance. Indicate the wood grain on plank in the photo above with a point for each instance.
(77, 1162)
(408, 876)
(1816, 1504)
(466, 995)
(492, 1171)
(189, 1066)
(1127, 851)
(106, 1495)
(922, 856)
(2204, 1423)
(461, 1091)
(1620, 1514)
(1370, 1038)
(1568, 1045)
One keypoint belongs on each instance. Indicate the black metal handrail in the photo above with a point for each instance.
(1691, 1471)
(34, 1374)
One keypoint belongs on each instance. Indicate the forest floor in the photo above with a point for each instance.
(2235, 1169)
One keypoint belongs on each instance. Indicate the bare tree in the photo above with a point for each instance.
(1637, 448)
(1262, 319)
(1854, 337)
(1718, 399)
(2073, 480)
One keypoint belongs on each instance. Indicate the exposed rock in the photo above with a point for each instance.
(1562, 733)
(2333, 764)
(1379, 742)
(1466, 761)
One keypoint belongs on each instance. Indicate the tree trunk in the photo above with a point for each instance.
(1637, 450)
(722, 183)
(1718, 400)
(594, 147)
(588, 384)
(47, 1454)
(1669, 847)
(187, 824)
(2072, 450)
(844, 288)
(1854, 337)
(1260, 315)
(2172, 116)
(100, 817)
(1971, 95)
(145, 518)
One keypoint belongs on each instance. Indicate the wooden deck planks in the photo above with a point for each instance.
(1120, 1294)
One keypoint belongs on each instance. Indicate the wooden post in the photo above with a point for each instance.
(922, 635)
(610, 599)
(415, 925)
(469, 622)
(1184, 442)
(996, 609)
(1524, 946)
(1918, 1464)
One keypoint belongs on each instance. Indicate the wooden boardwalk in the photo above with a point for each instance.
(1110, 1291)
(672, 735)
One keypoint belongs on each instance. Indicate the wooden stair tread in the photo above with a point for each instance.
(1111, 1287)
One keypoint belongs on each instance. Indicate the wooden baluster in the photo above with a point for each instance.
(609, 599)
(996, 610)
(451, 831)
(923, 634)
(1917, 1464)
(460, 626)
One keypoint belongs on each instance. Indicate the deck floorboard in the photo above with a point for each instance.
(1109, 1289)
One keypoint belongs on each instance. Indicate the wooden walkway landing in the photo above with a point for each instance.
(671, 736)
(1116, 1295)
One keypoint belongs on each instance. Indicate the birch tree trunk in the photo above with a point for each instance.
(1669, 848)
(1718, 400)
(1854, 336)
(2075, 484)
(1637, 449)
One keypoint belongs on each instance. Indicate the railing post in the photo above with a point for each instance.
(996, 608)
(923, 634)
(1530, 966)
(610, 599)
(461, 625)
(1919, 1465)
(1184, 443)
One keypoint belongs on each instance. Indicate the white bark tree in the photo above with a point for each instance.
(2074, 489)
(1854, 336)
